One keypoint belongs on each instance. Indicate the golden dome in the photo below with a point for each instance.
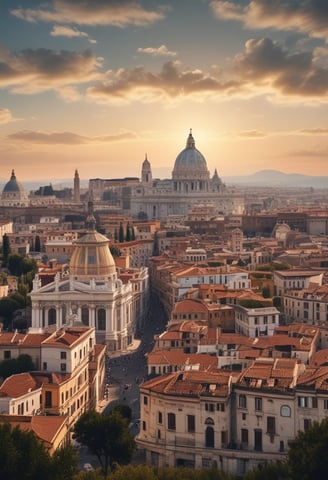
(91, 257)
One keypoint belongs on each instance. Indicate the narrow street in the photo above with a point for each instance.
(127, 371)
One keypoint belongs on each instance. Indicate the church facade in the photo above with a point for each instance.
(191, 184)
(90, 293)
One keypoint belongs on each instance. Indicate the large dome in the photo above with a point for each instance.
(190, 163)
(13, 185)
(91, 257)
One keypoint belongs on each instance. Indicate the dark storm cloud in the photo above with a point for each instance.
(119, 13)
(306, 16)
(65, 138)
(265, 62)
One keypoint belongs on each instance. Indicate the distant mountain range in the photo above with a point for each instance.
(262, 178)
(275, 178)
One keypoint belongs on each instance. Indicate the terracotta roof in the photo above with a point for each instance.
(191, 383)
(189, 306)
(18, 385)
(178, 357)
(45, 427)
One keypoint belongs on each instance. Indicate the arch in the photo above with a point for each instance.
(101, 319)
(85, 316)
(209, 421)
(52, 317)
(209, 437)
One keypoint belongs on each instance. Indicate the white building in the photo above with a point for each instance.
(254, 322)
(91, 293)
(190, 185)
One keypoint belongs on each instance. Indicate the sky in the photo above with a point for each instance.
(96, 85)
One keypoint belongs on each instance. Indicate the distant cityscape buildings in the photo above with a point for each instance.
(242, 276)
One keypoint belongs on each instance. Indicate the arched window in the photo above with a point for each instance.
(101, 319)
(52, 316)
(85, 316)
(209, 437)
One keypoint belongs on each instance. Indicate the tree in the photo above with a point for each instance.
(270, 471)
(106, 436)
(65, 462)
(37, 244)
(23, 455)
(307, 457)
(11, 366)
(128, 233)
(115, 251)
(124, 410)
(6, 250)
(121, 233)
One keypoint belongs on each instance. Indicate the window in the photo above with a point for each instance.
(171, 421)
(191, 423)
(145, 400)
(85, 316)
(325, 404)
(48, 399)
(209, 407)
(242, 401)
(244, 436)
(144, 426)
(52, 316)
(220, 407)
(44, 366)
(258, 403)
(63, 367)
(63, 355)
(314, 402)
(307, 423)
(159, 417)
(271, 425)
(302, 402)
(7, 354)
(285, 411)
(258, 440)
(243, 416)
(101, 317)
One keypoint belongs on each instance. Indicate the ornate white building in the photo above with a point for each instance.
(190, 185)
(14, 194)
(91, 293)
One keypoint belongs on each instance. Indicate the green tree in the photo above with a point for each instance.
(128, 232)
(106, 436)
(121, 233)
(11, 366)
(7, 307)
(124, 410)
(6, 250)
(307, 457)
(65, 462)
(115, 251)
(22, 455)
(270, 471)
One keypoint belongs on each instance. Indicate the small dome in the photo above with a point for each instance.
(13, 185)
(91, 257)
(190, 162)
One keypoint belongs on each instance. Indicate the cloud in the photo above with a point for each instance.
(65, 138)
(252, 134)
(312, 152)
(266, 63)
(69, 32)
(159, 51)
(305, 16)
(5, 116)
(315, 131)
(170, 83)
(119, 13)
(32, 71)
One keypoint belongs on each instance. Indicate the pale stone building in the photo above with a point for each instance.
(91, 292)
(190, 185)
